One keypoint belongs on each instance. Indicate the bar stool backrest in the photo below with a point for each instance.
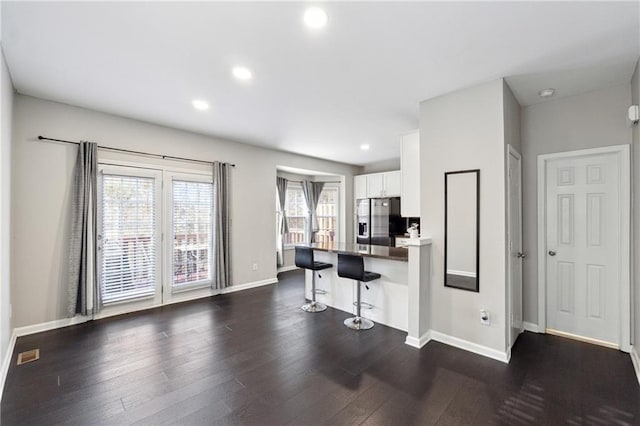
(350, 266)
(304, 257)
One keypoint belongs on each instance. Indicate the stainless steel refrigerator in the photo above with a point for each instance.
(376, 219)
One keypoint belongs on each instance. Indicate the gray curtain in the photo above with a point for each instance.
(221, 225)
(82, 254)
(311, 192)
(283, 227)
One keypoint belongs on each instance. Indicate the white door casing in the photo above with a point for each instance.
(514, 246)
(583, 245)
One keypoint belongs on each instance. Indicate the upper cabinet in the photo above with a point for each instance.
(360, 187)
(375, 185)
(410, 172)
(378, 185)
(392, 184)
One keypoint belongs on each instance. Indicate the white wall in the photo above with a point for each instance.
(41, 183)
(6, 107)
(465, 130)
(590, 120)
(384, 165)
(512, 125)
(635, 260)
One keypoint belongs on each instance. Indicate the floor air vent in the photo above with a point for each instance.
(28, 356)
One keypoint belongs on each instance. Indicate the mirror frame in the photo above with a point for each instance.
(446, 178)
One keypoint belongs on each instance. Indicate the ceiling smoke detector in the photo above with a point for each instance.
(546, 93)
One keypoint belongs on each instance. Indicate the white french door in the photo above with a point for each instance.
(583, 235)
(129, 236)
(188, 270)
(154, 245)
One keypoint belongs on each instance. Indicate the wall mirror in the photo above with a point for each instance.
(462, 230)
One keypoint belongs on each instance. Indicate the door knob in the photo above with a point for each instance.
(552, 253)
(521, 255)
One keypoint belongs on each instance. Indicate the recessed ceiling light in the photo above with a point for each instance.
(200, 105)
(365, 147)
(315, 17)
(242, 73)
(546, 93)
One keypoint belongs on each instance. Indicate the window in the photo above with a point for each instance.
(297, 214)
(128, 237)
(191, 232)
(296, 210)
(327, 213)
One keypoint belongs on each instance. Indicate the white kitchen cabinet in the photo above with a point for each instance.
(383, 185)
(410, 173)
(392, 184)
(375, 185)
(360, 187)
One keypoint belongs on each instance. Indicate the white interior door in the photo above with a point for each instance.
(583, 203)
(516, 256)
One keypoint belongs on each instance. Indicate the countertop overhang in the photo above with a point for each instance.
(379, 252)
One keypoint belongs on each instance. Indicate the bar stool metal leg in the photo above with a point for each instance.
(357, 322)
(313, 306)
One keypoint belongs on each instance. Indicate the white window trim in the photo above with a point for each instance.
(292, 185)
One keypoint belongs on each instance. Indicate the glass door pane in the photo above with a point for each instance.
(129, 237)
(191, 228)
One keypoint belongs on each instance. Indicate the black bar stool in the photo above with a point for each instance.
(352, 266)
(304, 259)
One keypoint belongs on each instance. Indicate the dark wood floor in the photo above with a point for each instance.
(253, 357)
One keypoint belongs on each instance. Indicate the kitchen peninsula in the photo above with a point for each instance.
(394, 299)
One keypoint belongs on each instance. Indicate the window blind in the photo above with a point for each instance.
(128, 238)
(191, 232)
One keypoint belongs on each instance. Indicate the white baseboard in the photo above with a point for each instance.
(6, 362)
(79, 319)
(418, 342)
(529, 326)
(51, 325)
(247, 286)
(635, 360)
(287, 268)
(470, 346)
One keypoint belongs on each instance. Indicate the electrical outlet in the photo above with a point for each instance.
(255, 267)
(485, 319)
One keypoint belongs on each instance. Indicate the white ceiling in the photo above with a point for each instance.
(320, 93)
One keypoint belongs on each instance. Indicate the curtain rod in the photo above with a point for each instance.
(315, 181)
(164, 157)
